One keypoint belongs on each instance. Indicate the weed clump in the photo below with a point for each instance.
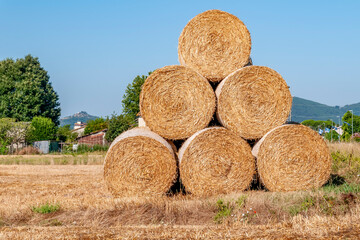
(45, 208)
(224, 211)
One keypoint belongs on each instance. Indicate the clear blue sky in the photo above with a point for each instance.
(93, 49)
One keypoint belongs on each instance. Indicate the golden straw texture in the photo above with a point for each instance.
(252, 101)
(176, 102)
(291, 158)
(215, 161)
(214, 43)
(139, 163)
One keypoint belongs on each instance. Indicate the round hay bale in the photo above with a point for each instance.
(176, 102)
(291, 158)
(139, 163)
(252, 101)
(215, 161)
(214, 43)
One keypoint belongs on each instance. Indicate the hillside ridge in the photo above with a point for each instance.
(81, 116)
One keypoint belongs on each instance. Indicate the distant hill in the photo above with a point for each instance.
(303, 109)
(80, 116)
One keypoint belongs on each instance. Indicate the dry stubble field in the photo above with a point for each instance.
(86, 210)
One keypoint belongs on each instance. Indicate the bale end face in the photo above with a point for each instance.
(291, 158)
(252, 101)
(139, 163)
(176, 102)
(215, 161)
(214, 43)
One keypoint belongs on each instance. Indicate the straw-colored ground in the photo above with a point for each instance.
(84, 209)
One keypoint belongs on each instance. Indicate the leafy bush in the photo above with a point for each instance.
(332, 136)
(46, 208)
(96, 125)
(41, 128)
(65, 134)
(224, 211)
(117, 125)
(5, 126)
(83, 148)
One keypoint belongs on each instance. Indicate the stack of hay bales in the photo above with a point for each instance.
(252, 103)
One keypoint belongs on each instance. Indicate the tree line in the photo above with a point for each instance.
(30, 108)
(351, 124)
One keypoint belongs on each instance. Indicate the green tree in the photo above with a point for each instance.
(347, 125)
(318, 124)
(130, 102)
(25, 91)
(41, 128)
(96, 125)
(117, 125)
(65, 134)
(332, 136)
(5, 140)
(12, 133)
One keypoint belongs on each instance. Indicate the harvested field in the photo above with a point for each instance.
(88, 211)
(56, 159)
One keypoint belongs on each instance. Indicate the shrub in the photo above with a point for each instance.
(224, 210)
(46, 208)
(96, 125)
(29, 150)
(83, 148)
(117, 125)
(41, 129)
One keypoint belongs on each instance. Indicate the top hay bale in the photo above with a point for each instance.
(291, 158)
(214, 43)
(252, 101)
(139, 163)
(176, 102)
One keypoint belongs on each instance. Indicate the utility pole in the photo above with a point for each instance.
(339, 128)
(331, 129)
(352, 122)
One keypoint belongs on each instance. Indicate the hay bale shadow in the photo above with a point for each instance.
(335, 180)
(256, 184)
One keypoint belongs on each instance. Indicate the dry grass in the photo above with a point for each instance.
(84, 159)
(29, 150)
(88, 211)
(345, 148)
